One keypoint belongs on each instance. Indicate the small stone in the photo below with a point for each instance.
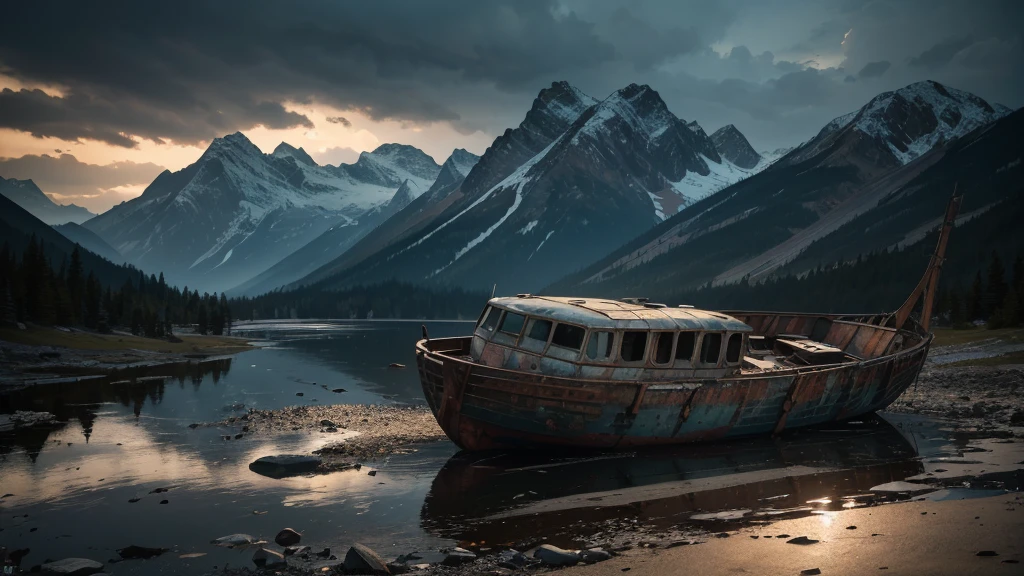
(851, 527)
(594, 555)
(193, 425)
(396, 365)
(722, 535)
(263, 558)
(238, 436)
(73, 567)
(361, 559)
(325, 553)
(371, 473)
(458, 557)
(783, 536)
(555, 556)
(299, 394)
(287, 537)
(165, 501)
(234, 541)
(801, 541)
(328, 424)
(339, 390)
(134, 500)
(987, 553)
(810, 572)
(512, 559)
(296, 550)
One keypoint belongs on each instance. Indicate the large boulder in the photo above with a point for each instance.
(362, 560)
(285, 465)
(287, 537)
(73, 567)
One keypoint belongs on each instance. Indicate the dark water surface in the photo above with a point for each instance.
(122, 437)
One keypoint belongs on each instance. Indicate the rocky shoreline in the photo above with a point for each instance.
(983, 401)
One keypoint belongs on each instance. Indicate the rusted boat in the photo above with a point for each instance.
(598, 373)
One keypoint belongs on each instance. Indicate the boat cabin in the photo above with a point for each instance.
(593, 338)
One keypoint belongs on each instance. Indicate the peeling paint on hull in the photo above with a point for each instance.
(481, 407)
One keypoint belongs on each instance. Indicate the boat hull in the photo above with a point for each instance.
(481, 407)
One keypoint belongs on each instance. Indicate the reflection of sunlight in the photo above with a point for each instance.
(144, 457)
(826, 517)
(822, 501)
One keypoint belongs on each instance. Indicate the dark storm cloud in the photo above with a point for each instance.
(874, 69)
(190, 71)
(941, 53)
(339, 120)
(193, 70)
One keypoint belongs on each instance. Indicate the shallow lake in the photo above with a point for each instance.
(118, 439)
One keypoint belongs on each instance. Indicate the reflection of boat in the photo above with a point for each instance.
(521, 495)
(612, 374)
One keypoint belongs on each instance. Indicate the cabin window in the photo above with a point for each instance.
(663, 347)
(568, 336)
(538, 329)
(633, 346)
(710, 348)
(734, 348)
(685, 346)
(600, 345)
(512, 323)
(491, 319)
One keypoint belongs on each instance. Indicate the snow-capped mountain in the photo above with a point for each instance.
(733, 146)
(907, 123)
(237, 211)
(752, 229)
(26, 194)
(385, 220)
(397, 226)
(575, 180)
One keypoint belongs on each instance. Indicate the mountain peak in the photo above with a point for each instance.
(734, 147)
(461, 161)
(26, 193)
(563, 101)
(286, 150)
(920, 116)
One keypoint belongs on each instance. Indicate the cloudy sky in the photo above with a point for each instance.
(97, 98)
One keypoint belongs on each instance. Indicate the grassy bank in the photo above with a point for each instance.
(190, 344)
(949, 337)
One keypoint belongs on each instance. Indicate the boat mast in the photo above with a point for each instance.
(930, 281)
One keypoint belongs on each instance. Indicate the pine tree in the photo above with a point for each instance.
(202, 321)
(997, 287)
(92, 301)
(75, 282)
(956, 310)
(975, 300)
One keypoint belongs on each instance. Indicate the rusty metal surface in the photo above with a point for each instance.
(482, 407)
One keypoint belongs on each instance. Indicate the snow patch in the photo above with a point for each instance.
(537, 249)
(526, 229)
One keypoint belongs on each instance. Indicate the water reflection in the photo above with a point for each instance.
(82, 401)
(524, 498)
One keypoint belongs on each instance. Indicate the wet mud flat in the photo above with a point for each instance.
(364, 432)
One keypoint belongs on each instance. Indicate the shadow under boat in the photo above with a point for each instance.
(564, 498)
